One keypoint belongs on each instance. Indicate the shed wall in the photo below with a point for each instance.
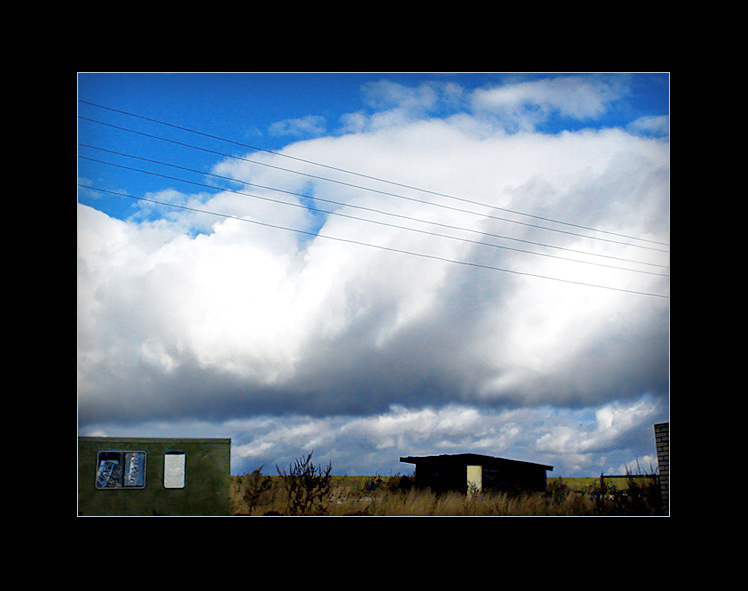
(206, 481)
(450, 473)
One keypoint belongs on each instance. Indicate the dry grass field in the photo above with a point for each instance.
(262, 495)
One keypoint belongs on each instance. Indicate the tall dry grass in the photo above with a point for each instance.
(427, 503)
(356, 499)
(257, 494)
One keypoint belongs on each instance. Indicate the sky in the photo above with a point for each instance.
(366, 266)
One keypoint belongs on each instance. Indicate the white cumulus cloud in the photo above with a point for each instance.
(199, 317)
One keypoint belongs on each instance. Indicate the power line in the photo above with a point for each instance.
(369, 209)
(368, 220)
(387, 248)
(440, 205)
(405, 186)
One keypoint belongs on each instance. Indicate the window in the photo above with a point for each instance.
(174, 467)
(117, 469)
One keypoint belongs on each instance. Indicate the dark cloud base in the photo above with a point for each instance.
(204, 394)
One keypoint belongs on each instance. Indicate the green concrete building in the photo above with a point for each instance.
(144, 476)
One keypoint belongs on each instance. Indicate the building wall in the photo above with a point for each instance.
(446, 476)
(441, 477)
(513, 479)
(206, 478)
(662, 442)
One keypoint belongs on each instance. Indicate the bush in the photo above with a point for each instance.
(392, 484)
(250, 491)
(636, 498)
(308, 487)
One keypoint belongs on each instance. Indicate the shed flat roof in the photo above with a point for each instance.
(469, 458)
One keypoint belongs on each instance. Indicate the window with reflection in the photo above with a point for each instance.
(120, 469)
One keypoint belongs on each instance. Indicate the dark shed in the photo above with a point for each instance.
(153, 476)
(474, 472)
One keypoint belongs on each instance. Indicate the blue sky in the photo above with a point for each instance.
(198, 325)
(248, 108)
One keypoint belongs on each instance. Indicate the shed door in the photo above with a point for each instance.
(474, 479)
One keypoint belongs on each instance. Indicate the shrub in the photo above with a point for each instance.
(308, 487)
(373, 485)
(253, 488)
(640, 498)
(636, 498)
(401, 483)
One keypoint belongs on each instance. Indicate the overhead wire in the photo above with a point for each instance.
(335, 213)
(431, 203)
(311, 208)
(362, 175)
(377, 246)
(314, 209)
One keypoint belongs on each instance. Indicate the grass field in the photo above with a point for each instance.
(587, 484)
(258, 495)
